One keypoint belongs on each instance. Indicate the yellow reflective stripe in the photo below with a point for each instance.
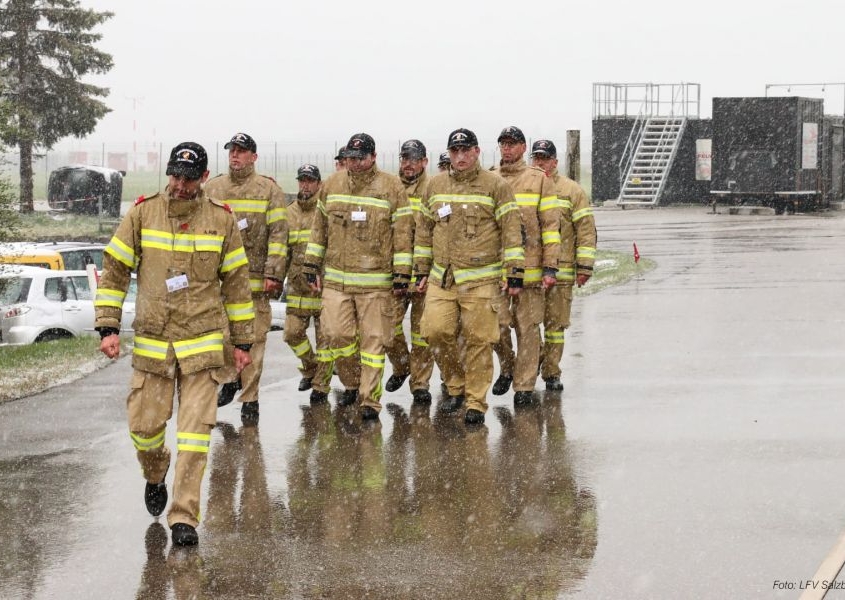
(106, 297)
(402, 211)
(415, 203)
(585, 252)
(121, 252)
(423, 252)
(256, 285)
(150, 348)
(566, 274)
(462, 199)
(233, 260)
(239, 312)
(276, 214)
(375, 361)
(359, 279)
(505, 209)
(277, 249)
(193, 442)
(357, 201)
(162, 240)
(529, 200)
(554, 337)
(418, 340)
(548, 203)
(465, 275)
(315, 250)
(303, 348)
(332, 354)
(402, 259)
(532, 275)
(515, 253)
(397, 330)
(143, 444)
(299, 236)
(248, 205)
(580, 214)
(551, 237)
(304, 302)
(208, 343)
(426, 212)
(183, 242)
(208, 243)
(565, 202)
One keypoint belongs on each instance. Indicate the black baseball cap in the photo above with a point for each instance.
(461, 138)
(187, 159)
(544, 148)
(413, 149)
(341, 154)
(444, 159)
(308, 171)
(512, 133)
(360, 145)
(243, 140)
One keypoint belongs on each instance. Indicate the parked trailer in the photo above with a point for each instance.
(86, 189)
(778, 152)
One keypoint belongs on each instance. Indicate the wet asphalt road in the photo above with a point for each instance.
(697, 452)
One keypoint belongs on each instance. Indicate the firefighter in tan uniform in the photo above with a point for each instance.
(303, 303)
(538, 205)
(259, 207)
(418, 363)
(469, 233)
(359, 250)
(193, 282)
(577, 256)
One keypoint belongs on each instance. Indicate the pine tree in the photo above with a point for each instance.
(46, 47)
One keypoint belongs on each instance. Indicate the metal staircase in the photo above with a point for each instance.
(647, 159)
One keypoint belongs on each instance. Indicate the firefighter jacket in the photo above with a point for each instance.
(540, 210)
(192, 278)
(361, 237)
(469, 232)
(259, 207)
(301, 299)
(577, 230)
(415, 190)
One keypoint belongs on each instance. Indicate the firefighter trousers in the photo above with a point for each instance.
(419, 362)
(319, 365)
(474, 310)
(359, 322)
(556, 318)
(149, 407)
(251, 375)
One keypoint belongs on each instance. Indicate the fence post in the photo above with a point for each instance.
(573, 154)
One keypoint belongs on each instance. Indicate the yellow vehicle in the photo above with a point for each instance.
(53, 255)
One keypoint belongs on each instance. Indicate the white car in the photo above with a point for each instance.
(38, 304)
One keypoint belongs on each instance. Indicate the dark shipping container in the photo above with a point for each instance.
(770, 151)
(86, 189)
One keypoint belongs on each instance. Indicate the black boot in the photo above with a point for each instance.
(305, 384)
(422, 397)
(502, 385)
(394, 382)
(554, 384)
(155, 497)
(523, 398)
(368, 413)
(474, 417)
(347, 398)
(183, 534)
(227, 392)
(317, 397)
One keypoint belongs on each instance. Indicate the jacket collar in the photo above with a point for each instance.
(241, 175)
(467, 175)
(513, 168)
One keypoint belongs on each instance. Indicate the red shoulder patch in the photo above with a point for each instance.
(139, 200)
(227, 207)
(268, 177)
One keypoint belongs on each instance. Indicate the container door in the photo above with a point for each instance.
(837, 163)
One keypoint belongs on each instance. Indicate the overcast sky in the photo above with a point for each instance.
(315, 72)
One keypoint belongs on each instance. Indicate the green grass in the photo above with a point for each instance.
(613, 268)
(30, 369)
(48, 227)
